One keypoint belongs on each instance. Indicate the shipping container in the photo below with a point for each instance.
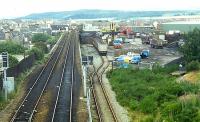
(117, 45)
(162, 37)
(128, 40)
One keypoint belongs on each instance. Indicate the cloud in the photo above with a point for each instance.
(15, 8)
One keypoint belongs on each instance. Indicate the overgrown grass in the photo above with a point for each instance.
(155, 94)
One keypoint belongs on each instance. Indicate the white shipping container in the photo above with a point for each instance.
(162, 37)
(104, 37)
(171, 32)
(102, 47)
(109, 40)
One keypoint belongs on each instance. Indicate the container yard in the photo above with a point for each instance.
(121, 50)
(130, 47)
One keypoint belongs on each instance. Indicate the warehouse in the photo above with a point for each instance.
(143, 29)
(182, 26)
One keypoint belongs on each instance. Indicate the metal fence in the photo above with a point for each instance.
(23, 65)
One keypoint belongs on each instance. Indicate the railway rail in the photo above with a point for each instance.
(63, 108)
(98, 74)
(27, 108)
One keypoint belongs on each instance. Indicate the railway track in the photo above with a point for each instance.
(98, 89)
(63, 108)
(27, 108)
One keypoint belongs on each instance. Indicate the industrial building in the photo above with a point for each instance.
(182, 26)
(143, 29)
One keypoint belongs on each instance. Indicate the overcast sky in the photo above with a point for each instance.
(15, 8)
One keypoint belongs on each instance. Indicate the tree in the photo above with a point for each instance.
(11, 48)
(193, 65)
(191, 47)
(12, 61)
(53, 40)
(37, 52)
(40, 37)
(42, 46)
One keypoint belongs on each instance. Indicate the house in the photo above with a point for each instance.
(2, 35)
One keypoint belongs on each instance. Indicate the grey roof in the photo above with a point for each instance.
(58, 27)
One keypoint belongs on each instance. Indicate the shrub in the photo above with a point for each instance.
(193, 65)
(171, 108)
(133, 104)
(148, 105)
(148, 119)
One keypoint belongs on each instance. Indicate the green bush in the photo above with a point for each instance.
(133, 104)
(187, 114)
(171, 108)
(193, 65)
(148, 105)
(148, 119)
(37, 52)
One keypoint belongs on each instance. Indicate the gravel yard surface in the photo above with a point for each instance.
(121, 112)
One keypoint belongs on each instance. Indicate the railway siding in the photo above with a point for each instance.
(121, 113)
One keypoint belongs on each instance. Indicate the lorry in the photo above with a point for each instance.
(157, 43)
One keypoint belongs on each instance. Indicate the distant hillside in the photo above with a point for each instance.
(93, 14)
